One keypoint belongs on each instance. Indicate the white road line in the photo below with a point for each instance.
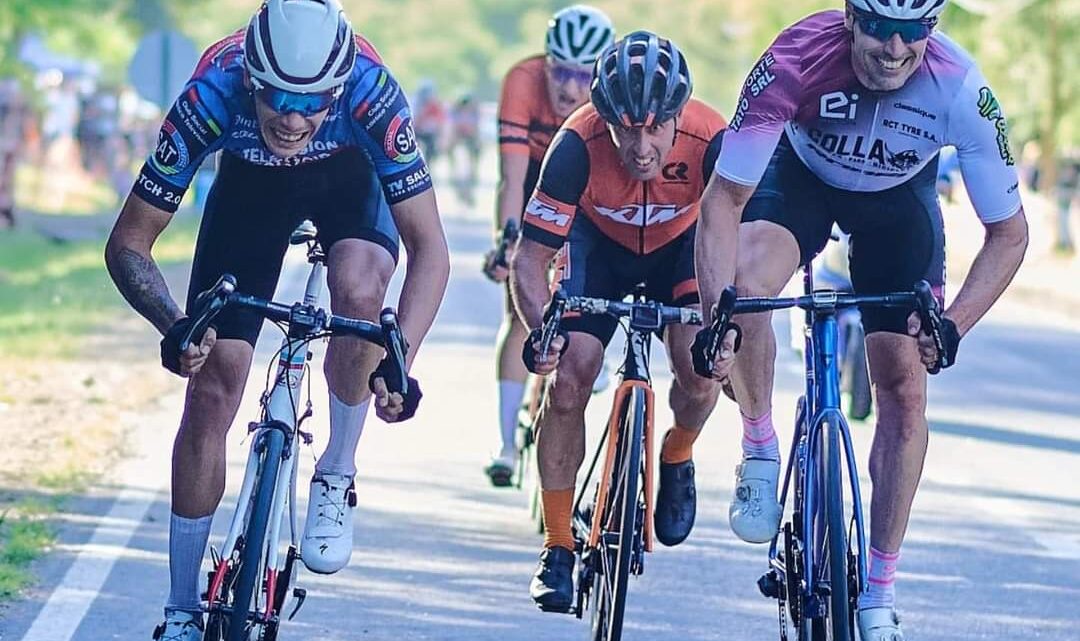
(143, 476)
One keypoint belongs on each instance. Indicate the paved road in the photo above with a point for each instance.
(993, 550)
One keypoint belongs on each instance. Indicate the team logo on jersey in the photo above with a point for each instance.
(676, 172)
(643, 215)
(904, 160)
(990, 109)
(546, 213)
(838, 105)
(171, 155)
(400, 140)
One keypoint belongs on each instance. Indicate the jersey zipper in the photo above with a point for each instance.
(644, 217)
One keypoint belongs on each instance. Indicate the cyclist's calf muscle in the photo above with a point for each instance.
(561, 439)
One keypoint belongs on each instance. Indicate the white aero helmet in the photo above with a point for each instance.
(577, 35)
(901, 9)
(303, 46)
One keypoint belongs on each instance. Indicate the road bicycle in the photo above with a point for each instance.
(817, 560)
(251, 579)
(613, 516)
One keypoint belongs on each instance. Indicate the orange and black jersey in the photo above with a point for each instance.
(582, 173)
(526, 119)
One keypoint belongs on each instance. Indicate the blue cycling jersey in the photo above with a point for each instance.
(216, 111)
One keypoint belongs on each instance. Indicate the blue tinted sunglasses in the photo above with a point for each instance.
(881, 28)
(563, 74)
(305, 104)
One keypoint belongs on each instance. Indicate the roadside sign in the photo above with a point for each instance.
(163, 62)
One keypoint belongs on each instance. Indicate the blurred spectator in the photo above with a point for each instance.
(465, 140)
(96, 130)
(13, 111)
(429, 120)
(948, 165)
(1067, 194)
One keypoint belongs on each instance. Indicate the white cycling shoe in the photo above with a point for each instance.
(179, 626)
(879, 624)
(754, 512)
(328, 530)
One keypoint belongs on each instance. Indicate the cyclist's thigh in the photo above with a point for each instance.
(585, 268)
(791, 196)
(350, 203)
(898, 239)
(245, 232)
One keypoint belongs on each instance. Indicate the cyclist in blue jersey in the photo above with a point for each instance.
(311, 125)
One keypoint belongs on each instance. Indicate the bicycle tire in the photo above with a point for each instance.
(610, 589)
(858, 377)
(836, 537)
(249, 581)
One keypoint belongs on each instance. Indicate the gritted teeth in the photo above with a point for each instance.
(288, 137)
(891, 64)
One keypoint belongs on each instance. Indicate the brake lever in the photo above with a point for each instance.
(208, 303)
(721, 318)
(396, 350)
(552, 318)
(930, 318)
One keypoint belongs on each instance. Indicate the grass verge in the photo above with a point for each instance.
(52, 294)
(24, 535)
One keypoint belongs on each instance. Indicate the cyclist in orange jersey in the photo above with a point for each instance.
(537, 96)
(618, 194)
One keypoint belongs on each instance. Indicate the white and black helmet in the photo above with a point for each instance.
(576, 35)
(304, 46)
(901, 9)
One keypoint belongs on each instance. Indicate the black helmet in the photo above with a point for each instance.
(641, 80)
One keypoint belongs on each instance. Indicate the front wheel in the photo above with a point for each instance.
(841, 622)
(245, 601)
(621, 529)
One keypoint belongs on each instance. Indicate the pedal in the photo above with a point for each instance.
(769, 584)
(301, 596)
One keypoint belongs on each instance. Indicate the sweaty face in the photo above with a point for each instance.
(288, 134)
(568, 86)
(884, 66)
(643, 150)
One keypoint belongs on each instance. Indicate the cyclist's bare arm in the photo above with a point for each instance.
(427, 266)
(128, 258)
(722, 205)
(510, 199)
(991, 272)
(529, 282)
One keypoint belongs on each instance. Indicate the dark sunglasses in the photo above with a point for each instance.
(881, 28)
(305, 104)
(563, 74)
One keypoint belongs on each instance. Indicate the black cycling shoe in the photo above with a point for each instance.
(676, 502)
(552, 587)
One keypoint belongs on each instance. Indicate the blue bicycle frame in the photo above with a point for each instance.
(819, 410)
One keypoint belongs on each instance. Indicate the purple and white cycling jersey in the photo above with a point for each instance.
(861, 140)
(216, 110)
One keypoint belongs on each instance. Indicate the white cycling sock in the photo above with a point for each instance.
(881, 579)
(346, 425)
(511, 394)
(187, 545)
(759, 438)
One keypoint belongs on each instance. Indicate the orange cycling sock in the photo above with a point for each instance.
(558, 505)
(678, 445)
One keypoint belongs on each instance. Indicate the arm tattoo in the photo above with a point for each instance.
(142, 285)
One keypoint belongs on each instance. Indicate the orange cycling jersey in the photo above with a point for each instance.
(526, 119)
(582, 173)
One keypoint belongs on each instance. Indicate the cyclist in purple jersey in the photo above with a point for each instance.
(311, 125)
(841, 120)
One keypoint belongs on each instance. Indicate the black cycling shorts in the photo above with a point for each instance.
(591, 264)
(251, 211)
(897, 235)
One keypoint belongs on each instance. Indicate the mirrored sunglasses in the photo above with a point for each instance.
(881, 28)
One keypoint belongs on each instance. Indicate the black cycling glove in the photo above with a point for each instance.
(410, 401)
(529, 353)
(702, 365)
(170, 345)
(950, 336)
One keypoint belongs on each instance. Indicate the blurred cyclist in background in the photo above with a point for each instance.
(537, 96)
(429, 120)
(465, 139)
